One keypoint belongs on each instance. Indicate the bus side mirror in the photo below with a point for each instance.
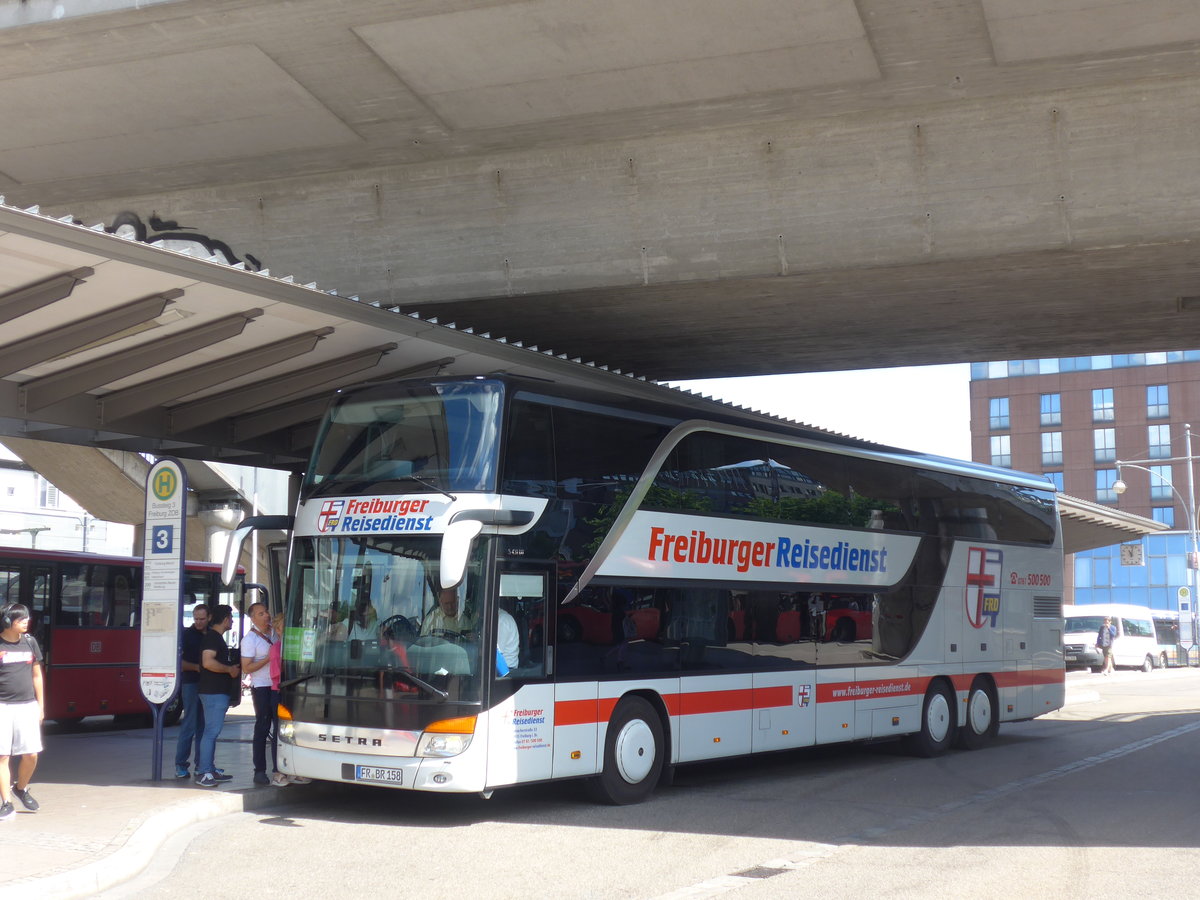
(456, 549)
(464, 527)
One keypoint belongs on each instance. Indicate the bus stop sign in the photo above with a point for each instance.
(162, 579)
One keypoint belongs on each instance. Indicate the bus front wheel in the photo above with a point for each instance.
(982, 717)
(937, 722)
(633, 754)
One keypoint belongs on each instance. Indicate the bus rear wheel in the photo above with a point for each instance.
(633, 754)
(982, 719)
(937, 723)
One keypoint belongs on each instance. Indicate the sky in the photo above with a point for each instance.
(925, 408)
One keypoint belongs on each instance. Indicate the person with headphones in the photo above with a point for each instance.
(22, 707)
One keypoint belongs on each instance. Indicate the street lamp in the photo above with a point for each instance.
(1189, 508)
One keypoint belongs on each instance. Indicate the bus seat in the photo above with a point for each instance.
(787, 627)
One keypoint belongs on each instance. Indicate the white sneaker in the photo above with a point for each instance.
(298, 779)
(279, 780)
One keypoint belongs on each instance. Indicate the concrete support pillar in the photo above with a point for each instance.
(218, 523)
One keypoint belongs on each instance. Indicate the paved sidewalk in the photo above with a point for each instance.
(102, 818)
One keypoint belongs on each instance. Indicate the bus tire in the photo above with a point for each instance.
(1148, 664)
(1162, 660)
(633, 754)
(982, 719)
(937, 722)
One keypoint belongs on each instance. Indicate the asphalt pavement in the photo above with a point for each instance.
(102, 818)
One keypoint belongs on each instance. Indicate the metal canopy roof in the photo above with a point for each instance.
(109, 342)
(1088, 525)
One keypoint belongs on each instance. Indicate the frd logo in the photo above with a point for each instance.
(330, 515)
(164, 484)
(982, 595)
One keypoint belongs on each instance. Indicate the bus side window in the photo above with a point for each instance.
(523, 599)
(70, 596)
(529, 453)
(10, 585)
(123, 615)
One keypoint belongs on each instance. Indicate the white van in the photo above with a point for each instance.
(1136, 645)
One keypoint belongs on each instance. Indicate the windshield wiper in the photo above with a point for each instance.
(428, 484)
(418, 683)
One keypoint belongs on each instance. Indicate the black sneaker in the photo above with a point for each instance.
(26, 799)
(6, 812)
(261, 778)
(206, 780)
(220, 777)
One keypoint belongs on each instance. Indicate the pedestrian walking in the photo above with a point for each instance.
(216, 668)
(22, 708)
(191, 725)
(1104, 643)
(256, 658)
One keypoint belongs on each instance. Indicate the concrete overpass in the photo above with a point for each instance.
(679, 188)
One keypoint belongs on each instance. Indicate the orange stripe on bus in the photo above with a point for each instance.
(588, 712)
(1029, 678)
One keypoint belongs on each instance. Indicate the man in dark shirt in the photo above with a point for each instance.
(213, 689)
(22, 707)
(191, 725)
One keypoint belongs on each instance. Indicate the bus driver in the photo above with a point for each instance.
(447, 619)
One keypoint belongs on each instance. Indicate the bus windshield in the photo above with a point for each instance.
(366, 620)
(409, 439)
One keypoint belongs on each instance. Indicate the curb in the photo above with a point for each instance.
(148, 835)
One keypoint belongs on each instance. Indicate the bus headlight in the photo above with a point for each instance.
(285, 728)
(449, 737)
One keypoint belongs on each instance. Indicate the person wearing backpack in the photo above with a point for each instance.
(1104, 643)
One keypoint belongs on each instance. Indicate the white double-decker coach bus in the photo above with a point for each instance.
(497, 581)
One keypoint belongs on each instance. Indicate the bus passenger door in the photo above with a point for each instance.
(521, 715)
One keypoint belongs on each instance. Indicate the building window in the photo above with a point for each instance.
(1051, 409)
(1105, 479)
(1157, 402)
(1056, 479)
(47, 495)
(1002, 450)
(1103, 409)
(1052, 448)
(1160, 483)
(1159, 440)
(1164, 514)
(1105, 442)
(998, 414)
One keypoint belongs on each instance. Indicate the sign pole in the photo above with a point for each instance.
(163, 550)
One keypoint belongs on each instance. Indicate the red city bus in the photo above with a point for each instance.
(86, 613)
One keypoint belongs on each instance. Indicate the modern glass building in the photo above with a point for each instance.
(1072, 419)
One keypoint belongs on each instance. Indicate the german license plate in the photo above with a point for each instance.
(379, 774)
